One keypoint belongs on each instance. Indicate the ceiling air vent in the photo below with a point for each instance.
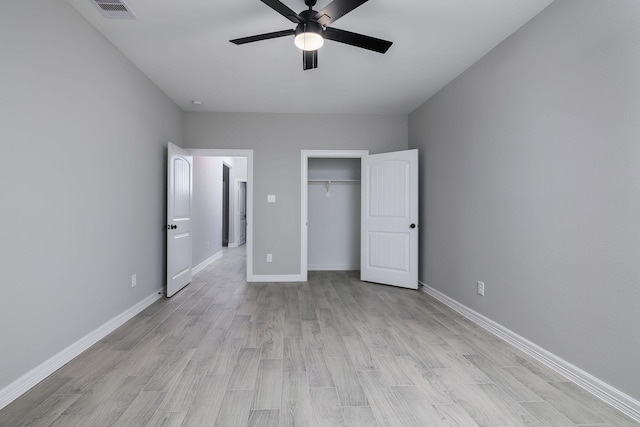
(114, 9)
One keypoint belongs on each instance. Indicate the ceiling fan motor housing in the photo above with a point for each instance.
(310, 27)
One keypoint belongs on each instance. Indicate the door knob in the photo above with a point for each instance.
(412, 226)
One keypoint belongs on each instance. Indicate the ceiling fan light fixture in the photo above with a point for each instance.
(308, 36)
(309, 41)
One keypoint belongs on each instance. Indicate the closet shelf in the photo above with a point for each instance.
(334, 180)
(327, 182)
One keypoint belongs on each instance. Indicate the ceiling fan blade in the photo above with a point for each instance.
(266, 36)
(358, 40)
(337, 9)
(283, 10)
(309, 59)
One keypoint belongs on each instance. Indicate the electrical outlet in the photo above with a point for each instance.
(269, 258)
(134, 280)
(271, 198)
(480, 288)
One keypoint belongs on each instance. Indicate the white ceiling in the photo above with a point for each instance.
(183, 46)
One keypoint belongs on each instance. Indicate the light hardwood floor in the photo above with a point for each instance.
(330, 352)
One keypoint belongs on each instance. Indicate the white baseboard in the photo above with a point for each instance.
(275, 278)
(232, 245)
(341, 267)
(198, 268)
(39, 373)
(608, 394)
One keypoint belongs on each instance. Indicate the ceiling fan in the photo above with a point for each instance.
(313, 28)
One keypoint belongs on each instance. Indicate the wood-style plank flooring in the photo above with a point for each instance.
(330, 352)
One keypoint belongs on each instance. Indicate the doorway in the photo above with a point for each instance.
(225, 205)
(247, 157)
(306, 156)
(333, 214)
(389, 215)
(242, 212)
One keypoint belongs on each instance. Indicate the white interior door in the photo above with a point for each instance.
(242, 212)
(179, 195)
(389, 235)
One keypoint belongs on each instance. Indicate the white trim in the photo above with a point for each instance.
(232, 245)
(198, 268)
(342, 267)
(608, 394)
(305, 155)
(214, 152)
(42, 371)
(276, 278)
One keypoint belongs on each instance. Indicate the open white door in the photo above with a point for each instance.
(179, 193)
(242, 212)
(389, 235)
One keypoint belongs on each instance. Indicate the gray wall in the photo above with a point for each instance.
(277, 140)
(530, 181)
(206, 219)
(83, 137)
(239, 167)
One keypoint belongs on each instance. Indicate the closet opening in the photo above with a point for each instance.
(330, 210)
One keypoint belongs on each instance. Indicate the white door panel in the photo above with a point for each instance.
(179, 195)
(389, 246)
(242, 212)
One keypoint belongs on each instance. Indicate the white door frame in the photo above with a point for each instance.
(305, 155)
(214, 152)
